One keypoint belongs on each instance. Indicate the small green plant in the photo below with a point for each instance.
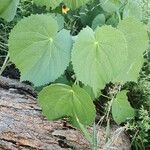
(139, 130)
(106, 48)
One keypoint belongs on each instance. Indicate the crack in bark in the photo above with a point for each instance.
(20, 109)
(8, 83)
(11, 141)
(63, 143)
(18, 145)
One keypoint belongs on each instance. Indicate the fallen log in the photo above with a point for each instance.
(22, 127)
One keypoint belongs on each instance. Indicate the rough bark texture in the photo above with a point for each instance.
(22, 127)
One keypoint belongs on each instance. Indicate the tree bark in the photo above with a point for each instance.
(22, 127)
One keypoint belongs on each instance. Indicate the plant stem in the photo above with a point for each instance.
(4, 64)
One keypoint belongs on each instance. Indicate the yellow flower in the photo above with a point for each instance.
(65, 9)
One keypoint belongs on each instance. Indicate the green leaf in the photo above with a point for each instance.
(111, 5)
(63, 80)
(113, 20)
(121, 108)
(60, 100)
(89, 90)
(88, 12)
(73, 4)
(98, 57)
(133, 9)
(138, 42)
(39, 51)
(60, 20)
(99, 20)
(131, 71)
(48, 3)
(148, 27)
(8, 9)
(136, 36)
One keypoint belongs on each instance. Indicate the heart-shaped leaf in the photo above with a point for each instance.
(59, 100)
(99, 57)
(39, 51)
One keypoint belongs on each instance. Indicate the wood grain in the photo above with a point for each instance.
(22, 127)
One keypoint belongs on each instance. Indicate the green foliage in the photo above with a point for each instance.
(89, 90)
(48, 3)
(133, 9)
(48, 49)
(138, 42)
(60, 100)
(8, 9)
(99, 20)
(87, 13)
(73, 4)
(94, 56)
(110, 49)
(121, 108)
(139, 130)
(148, 26)
(60, 20)
(112, 5)
(42, 50)
(113, 20)
(136, 36)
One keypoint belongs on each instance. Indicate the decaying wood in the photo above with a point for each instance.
(22, 127)
(14, 84)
